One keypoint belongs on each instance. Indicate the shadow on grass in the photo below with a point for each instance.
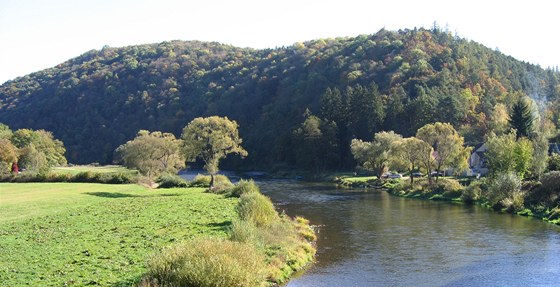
(224, 225)
(111, 194)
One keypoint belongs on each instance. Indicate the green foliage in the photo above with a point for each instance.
(315, 144)
(208, 263)
(211, 139)
(391, 80)
(548, 193)
(152, 154)
(412, 153)
(472, 192)
(505, 191)
(244, 187)
(447, 144)
(554, 162)
(171, 181)
(505, 154)
(119, 177)
(256, 208)
(8, 155)
(521, 118)
(201, 180)
(375, 155)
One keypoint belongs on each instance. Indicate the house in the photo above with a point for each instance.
(477, 160)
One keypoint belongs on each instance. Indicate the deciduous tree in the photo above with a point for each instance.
(8, 155)
(152, 154)
(211, 139)
(412, 153)
(375, 155)
(449, 151)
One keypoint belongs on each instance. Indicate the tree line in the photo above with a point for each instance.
(347, 87)
(33, 150)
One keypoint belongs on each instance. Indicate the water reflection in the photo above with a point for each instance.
(374, 239)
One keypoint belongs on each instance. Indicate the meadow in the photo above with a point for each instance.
(76, 234)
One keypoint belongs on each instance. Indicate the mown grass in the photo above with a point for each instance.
(76, 234)
(73, 170)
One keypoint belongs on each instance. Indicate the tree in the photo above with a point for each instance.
(5, 131)
(375, 155)
(540, 154)
(33, 159)
(499, 119)
(38, 150)
(411, 153)
(8, 155)
(505, 154)
(521, 118)
(449, 151)
(315, 143)
(152, 154)
(211, 139)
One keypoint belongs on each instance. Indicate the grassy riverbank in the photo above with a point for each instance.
(76, 234)
(69, 234)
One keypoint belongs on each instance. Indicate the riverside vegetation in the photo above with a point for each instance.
(92, 234)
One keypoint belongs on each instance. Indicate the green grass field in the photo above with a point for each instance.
(95, 169)
(72, 234)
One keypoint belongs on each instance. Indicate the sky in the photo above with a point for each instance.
(39, 34)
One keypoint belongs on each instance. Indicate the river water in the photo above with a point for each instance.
(370, 238)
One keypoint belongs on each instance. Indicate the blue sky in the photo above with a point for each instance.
(38, 34)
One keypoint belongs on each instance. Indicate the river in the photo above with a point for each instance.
(370, 238)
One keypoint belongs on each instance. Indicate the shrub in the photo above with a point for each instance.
(246, 232)
(201, 180)
(472, 192)
(171, 180)
(515, 202)
(208, 262)
(548, 193)
(243, 187)
(502, 187)
(256, 208)
(448, 187)
(554, 162)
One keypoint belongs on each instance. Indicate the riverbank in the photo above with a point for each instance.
(476, 192)
(58, 234)
(102, 234)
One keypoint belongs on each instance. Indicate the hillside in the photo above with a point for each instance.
(386, 81)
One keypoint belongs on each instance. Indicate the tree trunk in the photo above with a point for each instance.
(211, 180)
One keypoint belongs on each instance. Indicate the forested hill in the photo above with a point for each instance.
(296, 106)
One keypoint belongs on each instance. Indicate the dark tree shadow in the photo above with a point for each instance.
(111, 194)
(224, 225)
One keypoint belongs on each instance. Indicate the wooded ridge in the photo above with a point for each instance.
(293, 104)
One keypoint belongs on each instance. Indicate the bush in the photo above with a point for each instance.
(554, 162)
(221, 182)
(171, 181)
(244, 187)
(548, 193)
(515, 202)
(246, 232)
(472, 192)
(256, 208)
(208, 262)
(502, 187)
(449, 187)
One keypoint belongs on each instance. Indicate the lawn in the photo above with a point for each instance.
(76, 234)
(73, 170)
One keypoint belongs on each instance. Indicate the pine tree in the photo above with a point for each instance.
(521, 118)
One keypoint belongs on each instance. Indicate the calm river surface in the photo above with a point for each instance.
(375, 239)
